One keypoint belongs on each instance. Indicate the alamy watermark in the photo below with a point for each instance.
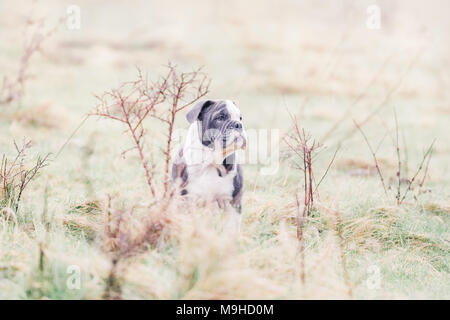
(373, 21)
(73, 20)
(262, 149)
(373, 281)
(73, 281)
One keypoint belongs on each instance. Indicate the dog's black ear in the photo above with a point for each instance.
(196, 112)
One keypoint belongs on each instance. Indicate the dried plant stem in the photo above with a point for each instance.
(13, 88)
(113, 289)
(135, 102)
(411, 181)
(304, 148)
(387, 98)
(405, 154)
(426, 169)
(328, 168)
(15, 177)
(193, 84)
(144, 162)
(399, 162)
(356, 101)
(374, 157)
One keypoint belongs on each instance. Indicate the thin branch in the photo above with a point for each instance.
(428, 153)
(374, 157)
(399, 162)
(426, 170)
(328, 168)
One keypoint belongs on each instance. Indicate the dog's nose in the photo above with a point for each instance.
(235, 125)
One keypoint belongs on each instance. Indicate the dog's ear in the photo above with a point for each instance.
(196, 112)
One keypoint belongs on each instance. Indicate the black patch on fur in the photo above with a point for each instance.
(204, 109)
(228, 162)
(179, 170)
(214, 122)
(238, 184)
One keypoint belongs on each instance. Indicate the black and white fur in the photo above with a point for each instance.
(207, 166)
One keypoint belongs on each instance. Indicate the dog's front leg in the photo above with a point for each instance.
(233, 219)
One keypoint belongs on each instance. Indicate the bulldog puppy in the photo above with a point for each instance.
(207, 167)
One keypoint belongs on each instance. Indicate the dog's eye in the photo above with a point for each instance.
(240, 118)
(221, 117)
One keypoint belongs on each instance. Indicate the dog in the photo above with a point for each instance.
(207, 167)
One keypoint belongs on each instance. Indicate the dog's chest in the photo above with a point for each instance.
(209, 185)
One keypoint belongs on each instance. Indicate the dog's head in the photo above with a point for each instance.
(220, 124)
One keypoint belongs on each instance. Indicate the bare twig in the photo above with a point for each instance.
(356, 101)
(328, 168)
(130, 105)
(13, 88)
(426, 169)
(411, 181)
(405, 154)
(399, 162)
(387, 98)
(373, 155)
(134, 102)
(183, 90)
(121, 242)
(305, 149)
(15, 176)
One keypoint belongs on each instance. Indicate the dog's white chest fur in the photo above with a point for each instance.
(208, 185)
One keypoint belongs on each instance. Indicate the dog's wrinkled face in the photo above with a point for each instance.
(221, 124)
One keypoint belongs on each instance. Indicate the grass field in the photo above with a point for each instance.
(315, 60)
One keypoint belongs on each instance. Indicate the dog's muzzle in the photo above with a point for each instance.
(234, 135)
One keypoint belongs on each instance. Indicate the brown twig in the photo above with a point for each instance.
(305, 149)
(130, 105)
(426, 169)
(356, 101)
(411, 181)
(135, 102)
(399, 162)
(373, 155)
(15, 177)
(13, 88)
(405, 154)
(183, 90)
(387, 98)
(121, 242)
(328, 168)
